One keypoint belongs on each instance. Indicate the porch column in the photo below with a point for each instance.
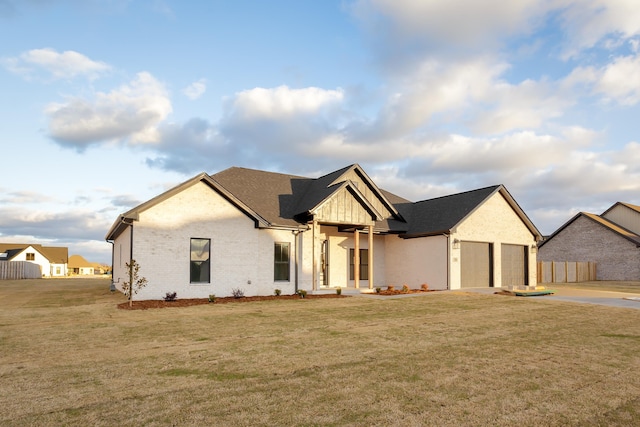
(371, 257)
(356, 259)
(314, 277)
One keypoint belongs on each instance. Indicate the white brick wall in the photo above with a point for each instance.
(493, 222)
(417, 261)
(241, 255)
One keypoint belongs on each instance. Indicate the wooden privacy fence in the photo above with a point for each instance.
(566, 271)
(13, 270)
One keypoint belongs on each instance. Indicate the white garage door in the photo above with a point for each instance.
(475, 264)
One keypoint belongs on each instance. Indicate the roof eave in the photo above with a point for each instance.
(445, 232)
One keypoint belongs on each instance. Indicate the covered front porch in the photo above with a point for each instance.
(347, 250)
(346, 257)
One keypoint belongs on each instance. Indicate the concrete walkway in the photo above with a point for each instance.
(584, 296)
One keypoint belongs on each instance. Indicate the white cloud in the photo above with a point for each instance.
(435, 92)
(620, 80)
(282, 102)
(527, 105)
(454, 22)
(66, 65)
(196, 89)
(589, 22)
(440, 28)
(75, 224)
(23, 197)
(132, 112)
(617, 81)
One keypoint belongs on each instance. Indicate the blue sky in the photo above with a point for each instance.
(107, 103)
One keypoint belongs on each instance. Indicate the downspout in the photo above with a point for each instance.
(131, 243)
(295, 251)
(448, 260)
(112, 288)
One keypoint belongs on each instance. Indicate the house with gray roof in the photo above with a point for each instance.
(611, 240)
(258, 231)
(52, 260)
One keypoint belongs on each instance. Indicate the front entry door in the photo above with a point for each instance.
(324, 261)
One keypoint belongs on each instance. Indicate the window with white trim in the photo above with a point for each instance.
(281, 262)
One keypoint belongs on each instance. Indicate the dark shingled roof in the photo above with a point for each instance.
(274, 196)
(281, 200)
(440, 215)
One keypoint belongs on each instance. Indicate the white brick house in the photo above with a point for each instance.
(611, 240)
(258, 231)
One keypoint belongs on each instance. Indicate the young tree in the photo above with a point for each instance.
(135, 283)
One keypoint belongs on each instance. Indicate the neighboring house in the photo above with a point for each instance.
(100, 268)
(80, 266)
(257, 231)
(52, 260)
(611, 240)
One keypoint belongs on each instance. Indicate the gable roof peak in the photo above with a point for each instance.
(626, 205)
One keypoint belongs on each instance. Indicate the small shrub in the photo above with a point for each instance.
(302, 293)
(339, 291)
(405, 289)
(237, 293)
(170, 296)
(212, 298)
(424, 287)
(277, 292)
(391, 288)
(135, 283)
(378, 289)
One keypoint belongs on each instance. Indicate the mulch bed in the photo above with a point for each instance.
(401, 292)
(187, 302)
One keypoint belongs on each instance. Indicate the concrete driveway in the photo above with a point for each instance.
(584, 296)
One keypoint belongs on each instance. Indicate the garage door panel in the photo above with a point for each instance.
(475, 264)
(514, 265)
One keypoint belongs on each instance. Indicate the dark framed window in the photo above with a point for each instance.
(281, 262)
(364, 264)
(31, 256)
(200, 264)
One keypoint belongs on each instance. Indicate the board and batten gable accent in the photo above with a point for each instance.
(343, 208)
(371, 194)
